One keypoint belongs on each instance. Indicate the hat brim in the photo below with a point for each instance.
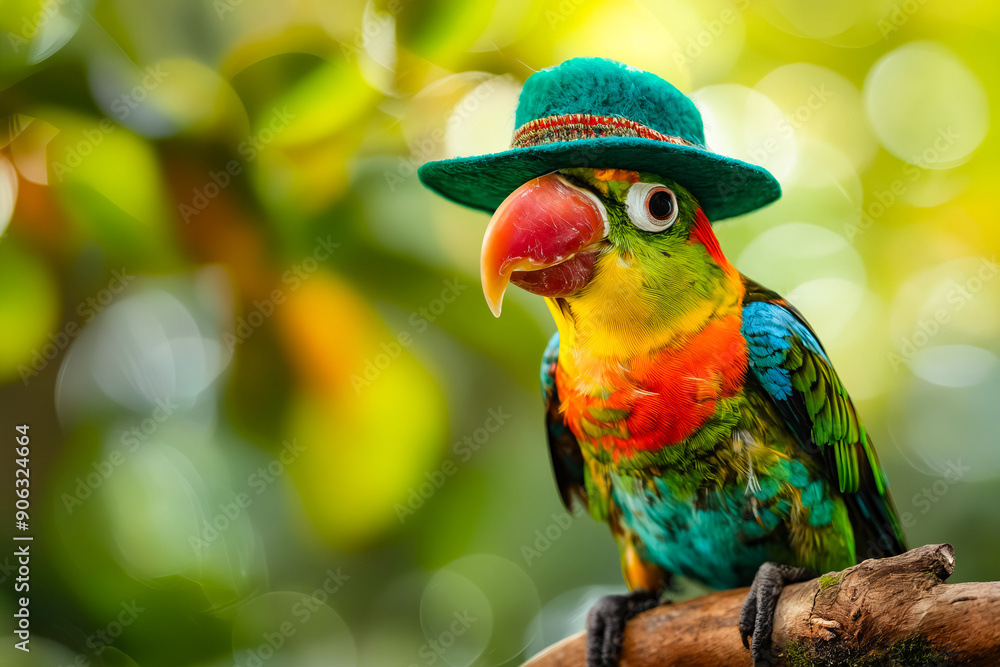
(725, 187)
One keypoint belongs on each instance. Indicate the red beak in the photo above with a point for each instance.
(544, 238)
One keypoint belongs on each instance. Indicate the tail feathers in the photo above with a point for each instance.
(877, 533)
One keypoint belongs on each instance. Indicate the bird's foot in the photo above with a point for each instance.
(606, 624)
(757, 617)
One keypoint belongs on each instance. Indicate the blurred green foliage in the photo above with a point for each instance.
(272, 420)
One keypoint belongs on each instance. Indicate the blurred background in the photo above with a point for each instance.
(272, 419)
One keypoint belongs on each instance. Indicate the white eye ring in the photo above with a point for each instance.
(637, 203)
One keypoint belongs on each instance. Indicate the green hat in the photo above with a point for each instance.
(594, 112)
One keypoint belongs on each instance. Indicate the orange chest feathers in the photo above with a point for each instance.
(657, 399)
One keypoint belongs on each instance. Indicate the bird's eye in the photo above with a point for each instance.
(651, 206)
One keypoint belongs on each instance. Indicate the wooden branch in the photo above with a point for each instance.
(891, 611)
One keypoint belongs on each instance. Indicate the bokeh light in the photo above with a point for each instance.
(910, 97)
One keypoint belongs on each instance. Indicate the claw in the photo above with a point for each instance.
(757, 615)
(606, 624)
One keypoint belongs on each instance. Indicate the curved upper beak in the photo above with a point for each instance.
(545, 223)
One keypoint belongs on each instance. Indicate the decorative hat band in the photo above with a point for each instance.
(570, 127)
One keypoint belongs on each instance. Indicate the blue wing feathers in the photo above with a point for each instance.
(567, 459)
(769, 329)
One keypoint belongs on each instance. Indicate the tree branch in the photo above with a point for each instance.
(891, 611)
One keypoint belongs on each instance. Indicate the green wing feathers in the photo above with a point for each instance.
(788, 363)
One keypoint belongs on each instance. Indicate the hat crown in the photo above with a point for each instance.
(593, 112)
(602, 87)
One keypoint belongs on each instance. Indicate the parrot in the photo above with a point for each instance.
(690, 408)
